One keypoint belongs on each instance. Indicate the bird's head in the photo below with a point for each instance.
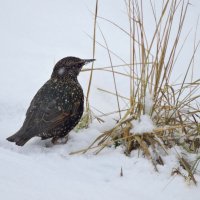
(69, 67)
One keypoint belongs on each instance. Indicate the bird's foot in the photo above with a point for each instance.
(61, 140)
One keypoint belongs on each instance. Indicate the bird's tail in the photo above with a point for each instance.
(20, 138)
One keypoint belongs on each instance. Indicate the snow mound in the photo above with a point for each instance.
(142, 125)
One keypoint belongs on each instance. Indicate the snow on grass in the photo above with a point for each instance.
(142, 125)
(148, 103)
(37, 172)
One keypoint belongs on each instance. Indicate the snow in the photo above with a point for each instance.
(36, 172)
(142, 125)
(34, 36)
(61, 71)
(148, 103)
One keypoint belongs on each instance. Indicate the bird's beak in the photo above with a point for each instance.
(86, 61)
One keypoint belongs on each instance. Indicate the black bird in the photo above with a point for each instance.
(57, 107)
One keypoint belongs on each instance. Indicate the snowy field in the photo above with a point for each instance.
(34, 36)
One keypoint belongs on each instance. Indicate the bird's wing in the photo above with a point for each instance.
(46, 110)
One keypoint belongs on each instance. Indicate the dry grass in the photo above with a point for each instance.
(87, 115)
(175, 108)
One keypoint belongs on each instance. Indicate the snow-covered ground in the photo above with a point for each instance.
(34, 35)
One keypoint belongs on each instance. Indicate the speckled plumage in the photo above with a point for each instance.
(58, 105)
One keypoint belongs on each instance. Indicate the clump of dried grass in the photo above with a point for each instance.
(174, 110)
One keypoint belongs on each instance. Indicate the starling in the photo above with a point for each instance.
(57, 107)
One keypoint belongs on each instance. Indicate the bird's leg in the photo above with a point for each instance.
(60, 140)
